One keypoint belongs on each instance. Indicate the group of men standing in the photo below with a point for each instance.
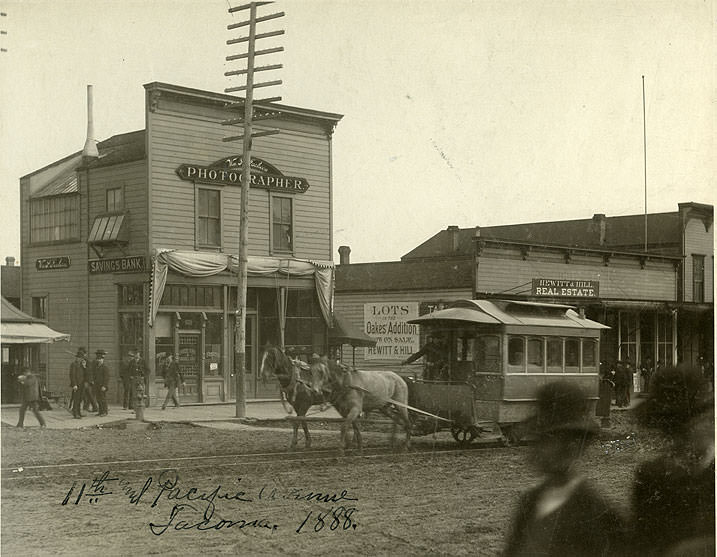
(89, 382)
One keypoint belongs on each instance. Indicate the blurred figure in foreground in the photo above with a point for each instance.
(563, 515)
(674, 494)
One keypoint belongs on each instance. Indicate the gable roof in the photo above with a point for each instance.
(405, 275)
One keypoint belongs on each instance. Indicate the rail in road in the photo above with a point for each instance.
(73, 469)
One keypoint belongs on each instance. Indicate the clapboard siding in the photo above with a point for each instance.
(351, 308)
(622, 278)
(699, 241)
(181, 133)
(65, 288)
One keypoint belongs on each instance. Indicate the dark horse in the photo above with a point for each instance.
(353, 392)
(302, 393)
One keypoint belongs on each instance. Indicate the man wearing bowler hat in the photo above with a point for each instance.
(77, 381)
(564, 515)
(102, 377)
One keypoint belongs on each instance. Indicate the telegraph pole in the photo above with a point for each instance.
(246, 137)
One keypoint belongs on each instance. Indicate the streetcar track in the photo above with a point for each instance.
(187, 463)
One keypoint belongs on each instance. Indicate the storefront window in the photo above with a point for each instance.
(209, 222)
(305, 325)
(131, 295)
(131, 332)
(213, 334)
(629, 326)
(664, 338)
(181, 296)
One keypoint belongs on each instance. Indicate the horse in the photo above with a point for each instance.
(300, 393)
(353, 392)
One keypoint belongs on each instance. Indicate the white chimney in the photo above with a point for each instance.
(90, 149)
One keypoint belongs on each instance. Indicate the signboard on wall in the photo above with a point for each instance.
(48, 263)
(132, 264)
(228, 172)
(386, 322)
(565, 288)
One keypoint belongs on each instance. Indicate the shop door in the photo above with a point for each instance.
(190, 361)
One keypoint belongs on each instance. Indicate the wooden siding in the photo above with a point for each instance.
(66, 289)
(350, 306)
(506, 272)
(190, 134)
(699, 241)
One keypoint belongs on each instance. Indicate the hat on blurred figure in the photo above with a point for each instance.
(101, 353)
(562, 408)
(81, 352)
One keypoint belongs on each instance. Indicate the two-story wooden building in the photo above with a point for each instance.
(657, 301)
(136, 247)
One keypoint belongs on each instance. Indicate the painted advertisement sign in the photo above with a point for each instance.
(387, 323)
(566, 288)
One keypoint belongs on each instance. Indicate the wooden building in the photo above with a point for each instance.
(135, 247)
(657, 301)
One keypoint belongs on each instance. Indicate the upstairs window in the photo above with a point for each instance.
(39, 307)
(281, 224)
(115, 200)
(55, 219)
(209, 222)
(698, 278)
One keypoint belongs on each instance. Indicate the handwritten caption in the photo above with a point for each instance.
(193, 508)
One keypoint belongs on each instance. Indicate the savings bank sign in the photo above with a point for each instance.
(228, 171)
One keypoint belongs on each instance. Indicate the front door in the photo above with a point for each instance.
(190, 362)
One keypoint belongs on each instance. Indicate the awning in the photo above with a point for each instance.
(20, 328)
(343, 332)
(29, 333)
(107, 230)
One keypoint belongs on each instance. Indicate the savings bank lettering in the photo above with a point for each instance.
(228, 171)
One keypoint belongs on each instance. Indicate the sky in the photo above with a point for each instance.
(456, 112)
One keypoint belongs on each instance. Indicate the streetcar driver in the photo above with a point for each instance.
(434, 354)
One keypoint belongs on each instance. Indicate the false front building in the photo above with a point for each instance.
(136, 247)
(656, 295)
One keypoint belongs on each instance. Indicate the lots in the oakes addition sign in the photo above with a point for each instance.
(566, 288)
(228, 171)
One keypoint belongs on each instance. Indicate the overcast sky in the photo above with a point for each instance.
(455, 112)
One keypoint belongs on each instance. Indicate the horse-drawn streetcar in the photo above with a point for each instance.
(496, 355)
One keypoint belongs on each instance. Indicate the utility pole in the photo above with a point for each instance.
(246, 137)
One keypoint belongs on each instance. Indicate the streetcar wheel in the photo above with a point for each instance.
(463, 435)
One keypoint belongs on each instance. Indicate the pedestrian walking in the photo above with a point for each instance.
(31, 396)
(622, 385)
(102, 377)
(563, 515)
(77, 381)
(172, 380)
(89, 400)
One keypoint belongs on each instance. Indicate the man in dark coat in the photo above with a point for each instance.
(77, 381)
(30, 392)
(89, 399)
(172, 380)
(564, 515)
(102, 377)
(434, 354)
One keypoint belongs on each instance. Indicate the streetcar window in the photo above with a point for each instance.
(487, 353)
(572, 352)
(589, 350)
(535, 354)
(516, 351)
(555, 354)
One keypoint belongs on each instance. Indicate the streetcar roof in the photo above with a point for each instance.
(510, 312)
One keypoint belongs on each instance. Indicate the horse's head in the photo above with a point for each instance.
(274, 363)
